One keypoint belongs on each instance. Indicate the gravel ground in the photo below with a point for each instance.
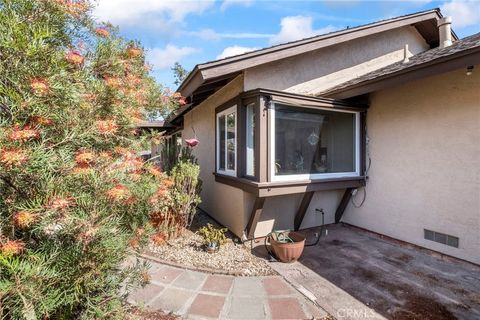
(188, 250)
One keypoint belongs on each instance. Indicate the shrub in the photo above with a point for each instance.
(181, 198)
(74, 195)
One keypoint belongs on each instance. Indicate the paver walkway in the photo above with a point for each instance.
(198, 295)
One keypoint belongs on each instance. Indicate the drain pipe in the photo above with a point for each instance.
(445, 31)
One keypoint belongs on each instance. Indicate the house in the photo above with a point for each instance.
(378, 125)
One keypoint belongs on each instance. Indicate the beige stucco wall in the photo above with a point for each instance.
(313, 72)
(224, 203)
(425, 173)
(279, 212)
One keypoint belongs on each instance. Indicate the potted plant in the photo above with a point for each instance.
(287, 246)
(212, 237)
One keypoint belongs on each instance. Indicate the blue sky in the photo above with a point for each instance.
(193, 32)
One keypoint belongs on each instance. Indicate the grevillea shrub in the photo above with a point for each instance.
(74, 196)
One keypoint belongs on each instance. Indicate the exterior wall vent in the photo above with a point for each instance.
(441, 238)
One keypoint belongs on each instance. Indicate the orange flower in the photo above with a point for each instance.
(41, 121)
(85, 157)
(134, 243)
(74, 57)
(159, 238)
(133, 80)
(112, 82)
(118, 192)
(122, 151)
(23, 219)
(135, 115)
(105, 156)
(130, 200)
(167, 183)
(154, 171)
(24, 134)
(74, 7)
(12, 248)
(13, 156)
(134, 52)
(59, 203)
(102, 32)
(106, 127)
(39, 86)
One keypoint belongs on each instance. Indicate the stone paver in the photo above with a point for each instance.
(145, 294)
(190, 280)
(165, 274)
(276, 286)
(201, 296)
(172, 300)
(218, 284)
(247, 308)
(207, 305)
(286, 308)
(248, 286)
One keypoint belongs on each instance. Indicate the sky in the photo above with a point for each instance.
(193, 32)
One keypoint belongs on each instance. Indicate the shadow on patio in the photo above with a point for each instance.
(352, 271)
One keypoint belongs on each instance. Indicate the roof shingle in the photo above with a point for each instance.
(464, 44)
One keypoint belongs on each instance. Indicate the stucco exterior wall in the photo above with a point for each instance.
(314, 72)
(425, 172)
(279, 212)
(224, 203)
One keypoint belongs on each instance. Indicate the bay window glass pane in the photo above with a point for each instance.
(231, 131)
(221, 143)
(312, 141)
(250, 140)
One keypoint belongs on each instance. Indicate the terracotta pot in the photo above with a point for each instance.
(289, 251)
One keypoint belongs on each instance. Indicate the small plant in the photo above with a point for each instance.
(213, 237)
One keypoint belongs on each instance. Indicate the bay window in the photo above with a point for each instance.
(313, 143)
(227, 141)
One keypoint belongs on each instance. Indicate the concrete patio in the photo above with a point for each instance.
(355, 274)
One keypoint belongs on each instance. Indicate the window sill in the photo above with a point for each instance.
(269, 189)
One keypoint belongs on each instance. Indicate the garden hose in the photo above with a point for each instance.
(280, 236)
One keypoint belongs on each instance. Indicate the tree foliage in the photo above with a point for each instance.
(179, 73)
(74, 195)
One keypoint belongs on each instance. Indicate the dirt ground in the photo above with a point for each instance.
(398, 281)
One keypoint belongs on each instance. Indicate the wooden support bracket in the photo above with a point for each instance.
(254, 216)
(302, 210)
(343, 204)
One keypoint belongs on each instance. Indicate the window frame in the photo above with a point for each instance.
(244, 127)
(225, 112)
(316, 176)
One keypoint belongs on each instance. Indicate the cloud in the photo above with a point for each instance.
(464, 13)
(234, 50)
(228, 3)
(165, 58)
(132, 12)
(297, 27)
(209, 34)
